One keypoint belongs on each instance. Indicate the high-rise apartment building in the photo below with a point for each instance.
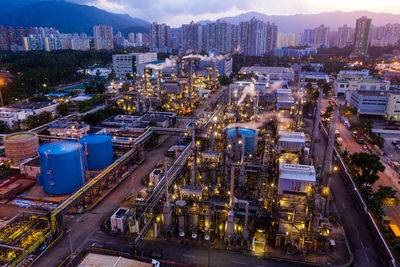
(133, 63)
(103, 37)
(321, 36)
(257, 37)
(344, 36)
(160, 37)
(192, 37)
(219, 36)
(361, 36)
(308, 37)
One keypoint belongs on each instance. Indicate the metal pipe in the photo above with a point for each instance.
(166, 178)
(232, 186)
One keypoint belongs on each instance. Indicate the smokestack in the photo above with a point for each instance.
(236, 144)
(243, 143)
(190, 82)
(144, 96)
(232, 186)
(159, 83)
(193, 167)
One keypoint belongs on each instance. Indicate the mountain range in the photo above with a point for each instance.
(64, 16)
(297, 23)
(70, 17)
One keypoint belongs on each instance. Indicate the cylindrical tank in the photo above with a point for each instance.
(98, 150)
(251, 139)
(21, 145)
(63, 168)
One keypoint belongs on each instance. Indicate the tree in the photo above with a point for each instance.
(112, 75)
(153, 124)
(128, 76)
(100, 88)
(366, 168)
(328, 112)
(224, 80)
(125, 87)
(4, 128)
(386, 196)
(34, 121)
(63, 109)
(377, 139)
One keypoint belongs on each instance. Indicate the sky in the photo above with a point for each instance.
(177, 12)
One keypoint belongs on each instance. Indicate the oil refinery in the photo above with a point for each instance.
(239, 173)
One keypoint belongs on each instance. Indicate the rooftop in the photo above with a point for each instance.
(286, 136)
(30, 105)
(68, 125)
(100, 260)
(297, 172)
(262, 69)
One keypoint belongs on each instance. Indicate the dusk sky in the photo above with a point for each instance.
(176, 12)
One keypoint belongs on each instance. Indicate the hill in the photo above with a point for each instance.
(64, 16)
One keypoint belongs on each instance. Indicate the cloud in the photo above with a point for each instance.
(177, 12)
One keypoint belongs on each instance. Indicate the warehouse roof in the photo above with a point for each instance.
(100, 260)
(285, 136)
(297, 172)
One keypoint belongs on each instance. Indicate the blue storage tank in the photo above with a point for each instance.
(63, 168)
(98, 150)
(251, 139)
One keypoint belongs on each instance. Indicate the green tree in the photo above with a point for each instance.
(128, 76)
(366, 168)
(125, 87)
(377, 139)
(112, 75)
(225, 80)
(34, 121)
(386, 196)
(100, 88)
(63, 109)
(153, 124)
(4, 128)
(328, 112)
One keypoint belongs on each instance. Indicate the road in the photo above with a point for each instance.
(84, 227)
(387, 178)
(361, 241)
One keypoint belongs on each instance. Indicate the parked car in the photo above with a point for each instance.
(364, 147)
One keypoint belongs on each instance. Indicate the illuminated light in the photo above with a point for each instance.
(272, 184)
(220, 227)
(287, 233)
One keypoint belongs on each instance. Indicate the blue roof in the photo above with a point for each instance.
(58, 148)
(95, 138)
(314, 73)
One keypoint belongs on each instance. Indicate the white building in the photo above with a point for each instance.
(273, 73)
(69, 129)
(10, 116)
(295, 178)
(348, 86)
(353, 74)
(133, 63)
(291, 141)
(393, 106)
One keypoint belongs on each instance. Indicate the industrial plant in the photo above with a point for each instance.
(240, 174)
